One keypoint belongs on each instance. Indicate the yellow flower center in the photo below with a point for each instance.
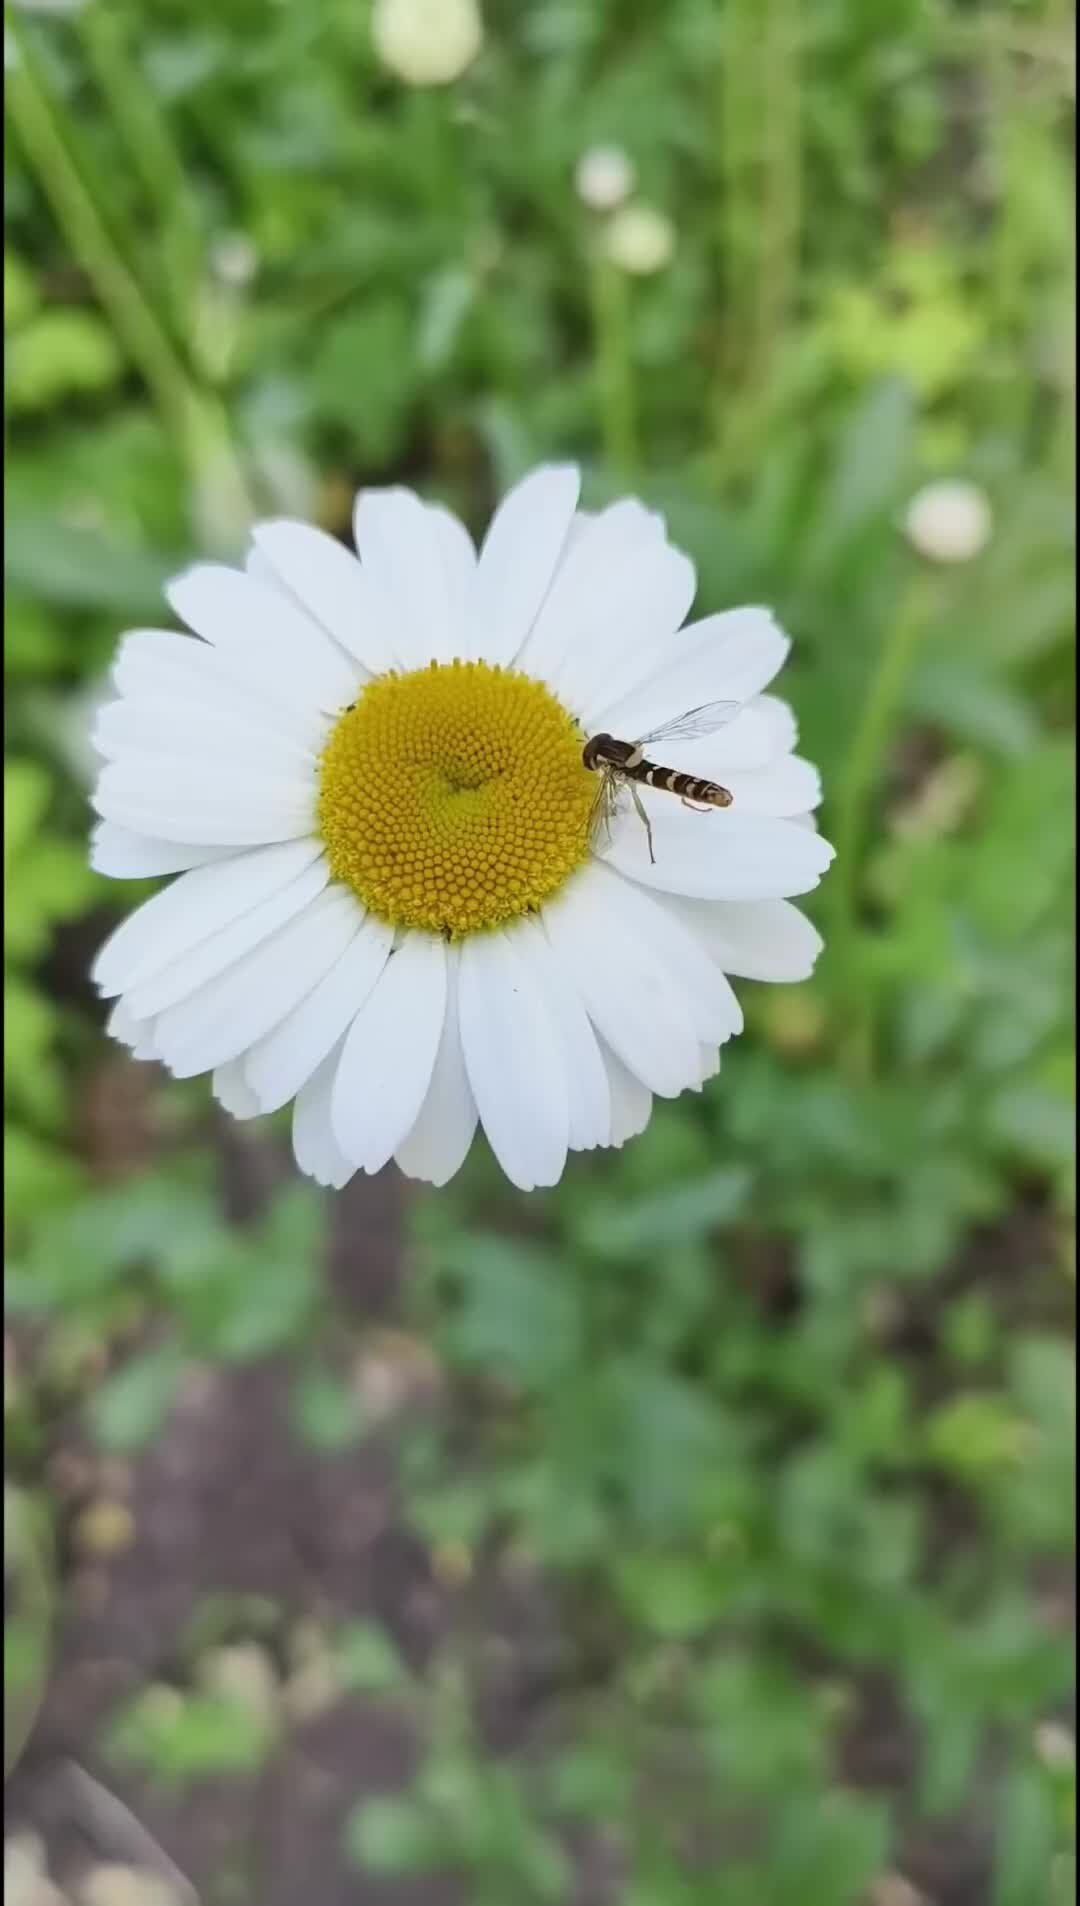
(454, 798)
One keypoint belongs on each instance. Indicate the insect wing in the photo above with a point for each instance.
(604, 807)
(694, 725)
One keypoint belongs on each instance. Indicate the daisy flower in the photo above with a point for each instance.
(394, 907)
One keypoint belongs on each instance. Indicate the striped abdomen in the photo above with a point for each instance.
(689, 787)
(627, 759)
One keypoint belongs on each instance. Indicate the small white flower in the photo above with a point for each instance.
(604, 177)
(949, 521)
(640, 240)
(1055, 1746)
(234, 259)
(394, 907)
(427, 42)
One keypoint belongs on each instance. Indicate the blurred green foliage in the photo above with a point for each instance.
(779, 1402)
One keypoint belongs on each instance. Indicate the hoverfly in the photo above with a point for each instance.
(622, 763)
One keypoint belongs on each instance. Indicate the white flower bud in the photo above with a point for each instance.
(948, 521)
(234, 259)
(1055, 1746)
(604, 177)
(427, 42)
(640, 240)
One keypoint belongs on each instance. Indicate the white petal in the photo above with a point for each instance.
(729, 657)
(631, 1102)
(137, 1034)
(326, 579)
(200, 903)
(401, 547)
(264, 629)
(439, 1142)
(717, 1014)
(756, 939)
(513, 1062)
(779, 719)
(647, 604)
(668, 938)
(184, 976)
(710, 1062)
(122, 1024)
(214, 803)
(315, 1148)
(125, 855)
(517, 561)
(157, 664)
(241, 828)
(788, 786)
(153, 775)
(762, 732)
(168, 725)
(632, 998)
(232, 1092)
(589, 1094)
(573, 611)
(719, 855)
(389, 1053)
(459, 568)
(280, 1064)
(231, 1012)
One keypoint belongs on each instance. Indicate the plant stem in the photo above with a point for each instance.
(37, 124)
(153, 153)
(781, 184)
(194, 417)
(739, 109)
(618, 408)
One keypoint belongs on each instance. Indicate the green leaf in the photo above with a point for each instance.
(871, 468)
(671, 1595)
(367, 1659)
(446, 305)
(360, 379)
(391, 1835)
(617, 1229)
(131, 1406)
(517, 1310)
(326, 1410)
(974, 1434)
(21, 298)
(190, 1737)
(591, 1782)
(59, 354)
(1025, 1838)
(82, 568)
(26, 796)
(29, 1611)
(960, 693)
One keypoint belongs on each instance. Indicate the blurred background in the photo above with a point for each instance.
(699, 1533)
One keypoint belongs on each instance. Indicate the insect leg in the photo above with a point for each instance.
(643, 817)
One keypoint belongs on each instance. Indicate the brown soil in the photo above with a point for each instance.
(230, 1501)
